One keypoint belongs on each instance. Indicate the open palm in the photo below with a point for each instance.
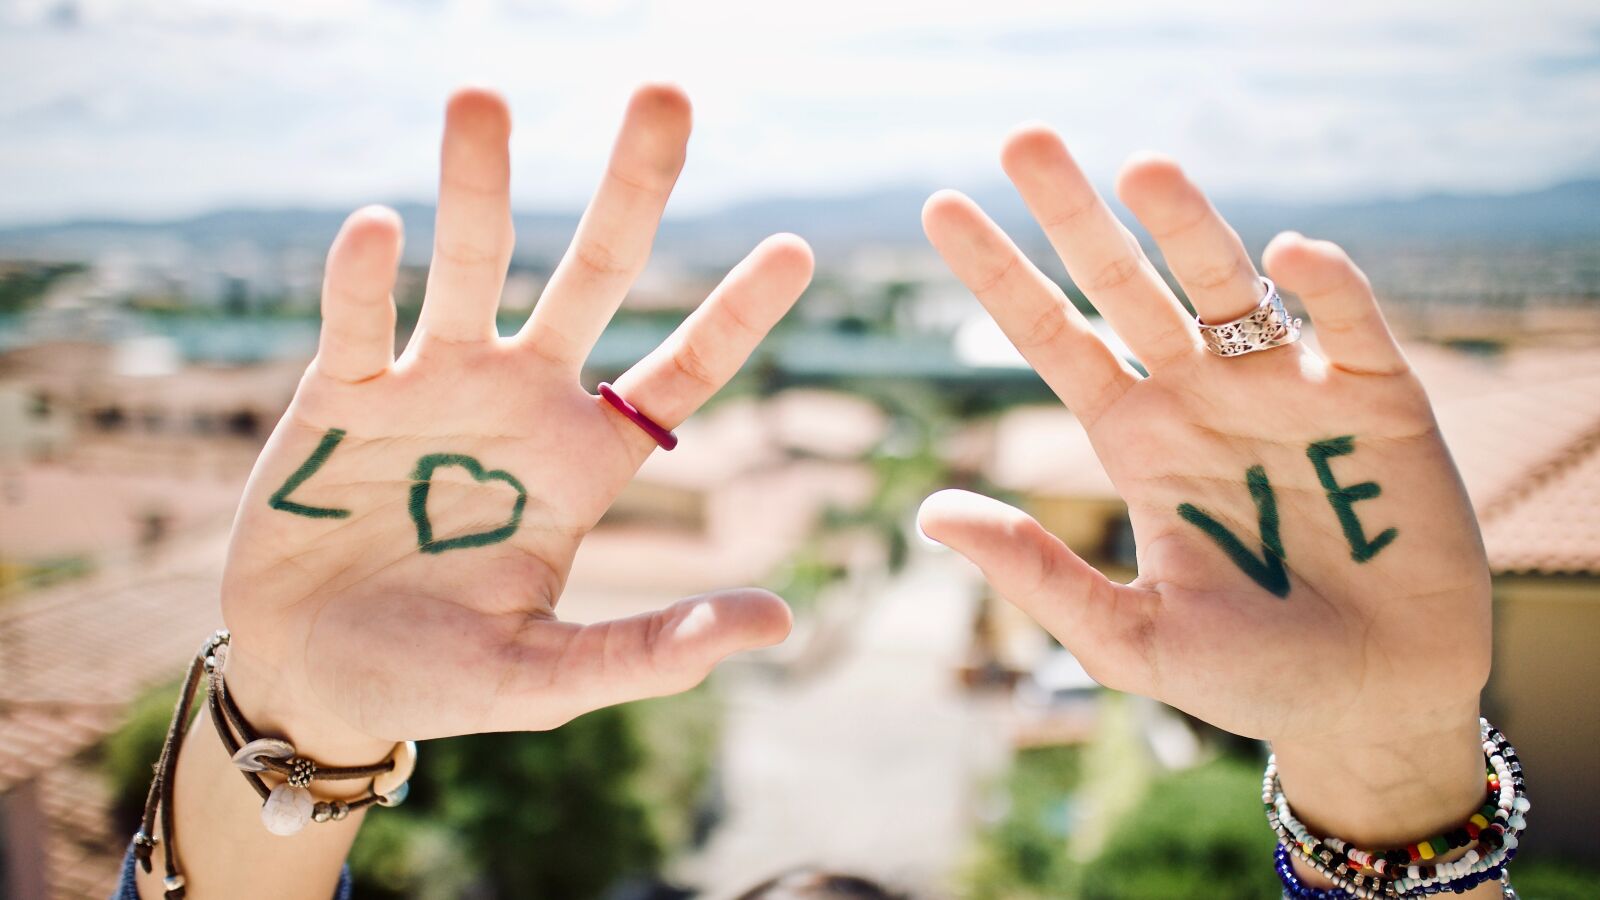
(1308, 564)
(407, 532)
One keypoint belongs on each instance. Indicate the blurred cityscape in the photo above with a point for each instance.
(913, 729)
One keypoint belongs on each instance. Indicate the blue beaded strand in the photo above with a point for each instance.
(1293, 889)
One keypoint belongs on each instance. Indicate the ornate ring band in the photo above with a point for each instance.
(1262, 328)
(662, 436)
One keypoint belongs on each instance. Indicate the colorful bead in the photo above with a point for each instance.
(1489, 839)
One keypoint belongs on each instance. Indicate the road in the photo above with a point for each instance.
(872, 766)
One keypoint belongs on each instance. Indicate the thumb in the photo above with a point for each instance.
(1105, 624)
(581, 668)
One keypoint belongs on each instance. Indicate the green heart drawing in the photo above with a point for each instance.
(422, 481)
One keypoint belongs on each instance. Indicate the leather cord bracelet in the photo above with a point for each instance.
(286, 808)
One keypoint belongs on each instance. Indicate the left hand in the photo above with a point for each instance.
(407, 532)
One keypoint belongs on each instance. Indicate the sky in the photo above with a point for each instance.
(159, 108)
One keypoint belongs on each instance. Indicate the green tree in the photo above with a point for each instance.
(541, 814)
(1196, 833)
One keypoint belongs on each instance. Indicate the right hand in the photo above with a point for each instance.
(1362, 638)
(353, 626)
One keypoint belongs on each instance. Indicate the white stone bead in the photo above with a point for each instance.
(1522, 804)
(405, 762)
(287, 809)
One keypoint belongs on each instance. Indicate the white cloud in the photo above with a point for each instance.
(152, 107)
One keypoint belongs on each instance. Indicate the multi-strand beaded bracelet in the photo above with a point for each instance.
(286, 808)
(1489, 835)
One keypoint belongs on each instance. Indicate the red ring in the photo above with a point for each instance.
(662, 436)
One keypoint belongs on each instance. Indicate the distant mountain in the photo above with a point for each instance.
(1563, 213)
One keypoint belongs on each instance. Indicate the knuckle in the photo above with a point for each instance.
(993, 279)
(462, 253)
(1045, 327)
(734, 320)
(1195, 219)
(1211, 276)
(647, 181)
(692, 363)
(1068, 216)
(1115, 274)
(602, 260)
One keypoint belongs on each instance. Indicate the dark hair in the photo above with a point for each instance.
(815, 884)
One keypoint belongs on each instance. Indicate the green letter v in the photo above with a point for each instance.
(1268, 571)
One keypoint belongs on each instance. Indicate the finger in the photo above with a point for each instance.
(1349, 325)
(568, 670)
(704, 352)
(1107, 626)
(357, 338)
(1102, 257)
(473, 237)
(1030, 308)
(613, 240)
(1203, 252)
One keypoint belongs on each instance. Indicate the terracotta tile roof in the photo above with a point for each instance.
(50, 510)
(83, 848)
(72, 658)
(1550, 524)
(1524, 427)
(1508, 415)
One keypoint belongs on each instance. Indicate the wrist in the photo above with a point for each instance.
(1387, 785)
(276, 704)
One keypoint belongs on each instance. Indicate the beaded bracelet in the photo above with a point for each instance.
(1295, 889)
(286, 808)
(1491, 834)
(1500, 824)
(289, 807)
(1366, 872)
(1496, 827)
(1478, 866)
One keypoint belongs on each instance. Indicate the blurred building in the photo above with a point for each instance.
(112, 447)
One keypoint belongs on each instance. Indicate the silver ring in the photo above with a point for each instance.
(1262, 328)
